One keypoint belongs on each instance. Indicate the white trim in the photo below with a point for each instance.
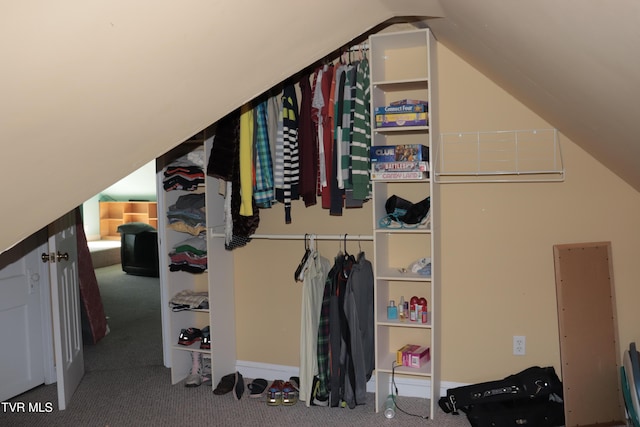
(48, 358)
(409, 387)
(167, 339)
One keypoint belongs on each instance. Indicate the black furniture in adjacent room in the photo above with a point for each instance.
(139, 249)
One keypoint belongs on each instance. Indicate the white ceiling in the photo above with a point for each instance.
(94, 90)
(575, 63)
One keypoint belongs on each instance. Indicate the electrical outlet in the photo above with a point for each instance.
(519, 345)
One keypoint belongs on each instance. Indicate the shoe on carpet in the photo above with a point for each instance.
(195, 377)
(274, 394)
(257, 387)
(189, 336)
(295, 382)
(206, 368)
(289, 394)
(238, 386)
(316, 399)
(226, 384)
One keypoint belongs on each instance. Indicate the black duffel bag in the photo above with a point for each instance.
(536, 412)
(532, 383)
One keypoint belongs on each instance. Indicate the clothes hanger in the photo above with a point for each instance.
(299, 273)
(344, 247)
(348, 260)
(312, 246)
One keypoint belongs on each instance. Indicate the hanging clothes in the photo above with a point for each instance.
(312, 295)
(263, 186)
(361, 141)
(225, 147)
(321, 396)
(345, 127)
(278, 158)
(246, 160)
(337, 193)
(224, 163)
(308, 145)
(324, 104)
(338, 333)
(291, 166)
(358, 309)
(274, 111)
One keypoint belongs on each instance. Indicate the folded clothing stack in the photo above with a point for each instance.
(187, 215)
(189, 255)
(189, 300)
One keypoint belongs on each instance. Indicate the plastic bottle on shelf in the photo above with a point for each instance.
(392, 311)
(412, 308)
(423, 314)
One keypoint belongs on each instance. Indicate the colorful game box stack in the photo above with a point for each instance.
(410, 161)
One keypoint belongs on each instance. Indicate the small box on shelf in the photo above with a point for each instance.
(403, 355)
(399, 153)
(402, 120)
(406, 112)
(407, 101)
(403, 108)
(420, 357)
(399, 170)
(398, 176)
(413, 355)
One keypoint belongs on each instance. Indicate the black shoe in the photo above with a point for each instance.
(226, 384)
(295, 382)
(189, 336)
(316, 399)
(238, 386)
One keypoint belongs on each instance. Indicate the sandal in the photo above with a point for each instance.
(238, 386)
(257, 387)
(226, 384)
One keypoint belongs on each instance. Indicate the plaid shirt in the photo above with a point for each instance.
(263, 186)
(324, 373)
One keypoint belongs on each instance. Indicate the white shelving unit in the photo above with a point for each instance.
(217, 281)
(402, 67)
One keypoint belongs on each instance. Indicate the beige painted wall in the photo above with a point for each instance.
(498, 276)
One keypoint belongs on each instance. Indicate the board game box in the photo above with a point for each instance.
(399, 153)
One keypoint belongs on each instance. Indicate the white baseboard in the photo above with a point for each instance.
(410, 387)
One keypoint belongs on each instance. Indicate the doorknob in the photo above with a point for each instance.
(52, 257)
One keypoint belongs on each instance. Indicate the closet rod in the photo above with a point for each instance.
(303, 236)
(362, 46)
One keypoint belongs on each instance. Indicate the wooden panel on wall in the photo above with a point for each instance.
(588, 334)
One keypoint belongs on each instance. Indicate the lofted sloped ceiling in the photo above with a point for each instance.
(575, 63)
(93, 90)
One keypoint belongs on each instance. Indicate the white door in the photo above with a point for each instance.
(65, 303)
(21, 283)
